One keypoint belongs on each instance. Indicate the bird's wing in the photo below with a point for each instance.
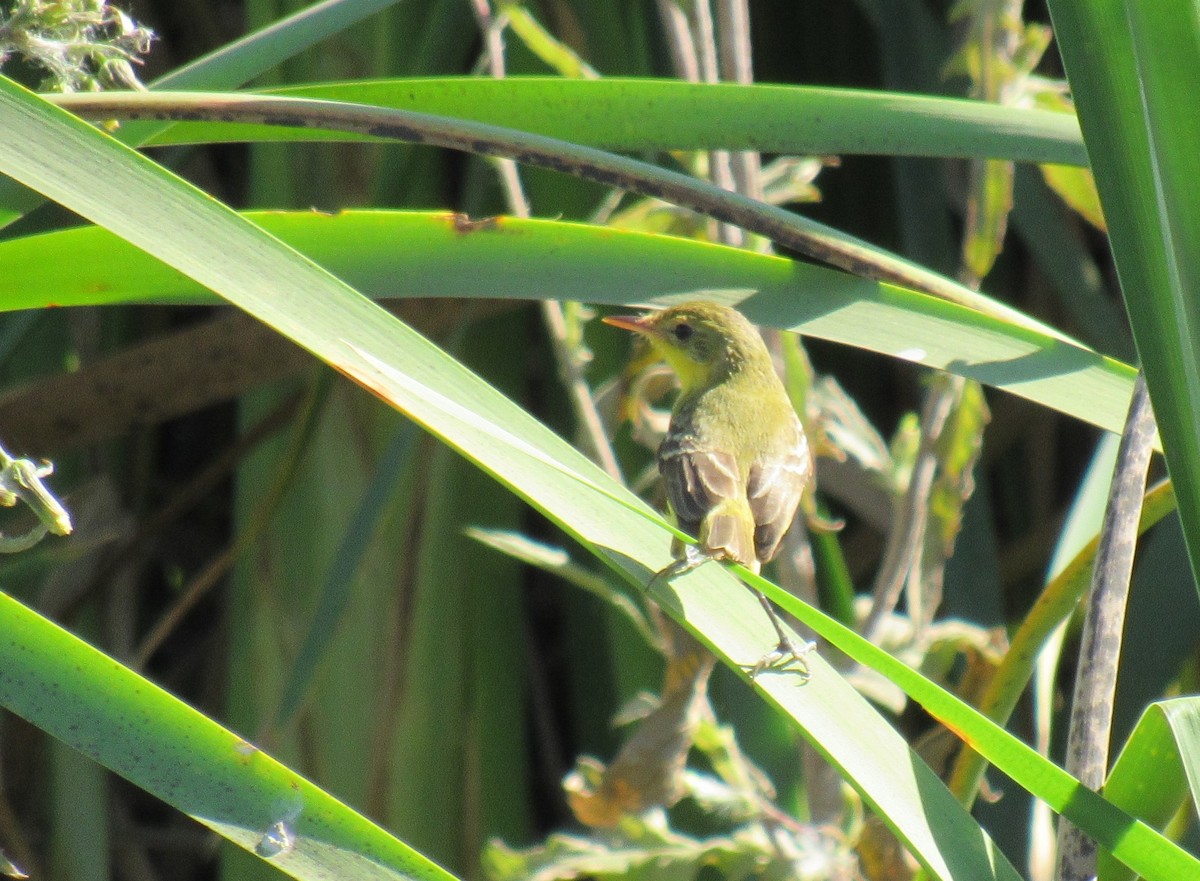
(774, 490)
(698, 481)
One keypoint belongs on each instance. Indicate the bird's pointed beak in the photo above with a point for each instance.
(635, 323)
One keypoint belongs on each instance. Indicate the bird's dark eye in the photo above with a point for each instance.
(683, 332)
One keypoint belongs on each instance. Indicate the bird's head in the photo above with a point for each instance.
(701, 341)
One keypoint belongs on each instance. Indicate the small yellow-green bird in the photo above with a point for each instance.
(735, 460)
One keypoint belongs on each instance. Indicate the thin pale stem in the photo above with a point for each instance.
(737, 65)
(678, 34)
(901, 555)
(570, 369)
(720, 169)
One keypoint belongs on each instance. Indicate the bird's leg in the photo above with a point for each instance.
(693, 558)
(784, 654)
(787, 652)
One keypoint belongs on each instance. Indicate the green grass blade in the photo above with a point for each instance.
(280, 287)
(44, 148)
(242, 60)
(79, 831)
(128, 724)
(420, 254)
(1131, 70)
(230, 66)
(1157, 767)
(610, 114)
(1131, 841)
(335, 591)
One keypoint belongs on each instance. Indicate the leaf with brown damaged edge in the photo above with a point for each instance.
(464, 225)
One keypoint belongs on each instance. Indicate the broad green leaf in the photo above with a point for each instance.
(60, 156)
(128, 724)
(507, 258)
(140, 201)
(1157, 768)
(1132, 67)
(785, 228)
(610, 113)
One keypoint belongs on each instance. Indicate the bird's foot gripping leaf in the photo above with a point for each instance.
(783, 657)
(786, 656)
(786, 653)
(693, 558)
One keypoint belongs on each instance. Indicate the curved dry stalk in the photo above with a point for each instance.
(788, 230)
(1100, 649)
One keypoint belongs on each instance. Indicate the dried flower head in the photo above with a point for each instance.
(83, 45)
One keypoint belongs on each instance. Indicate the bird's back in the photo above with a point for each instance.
(734, 478)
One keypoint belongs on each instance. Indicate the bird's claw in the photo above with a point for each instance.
(693, 558)
(783, 657)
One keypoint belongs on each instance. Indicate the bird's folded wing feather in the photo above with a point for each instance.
(697, 480)
(774, 490)
(706, 493)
